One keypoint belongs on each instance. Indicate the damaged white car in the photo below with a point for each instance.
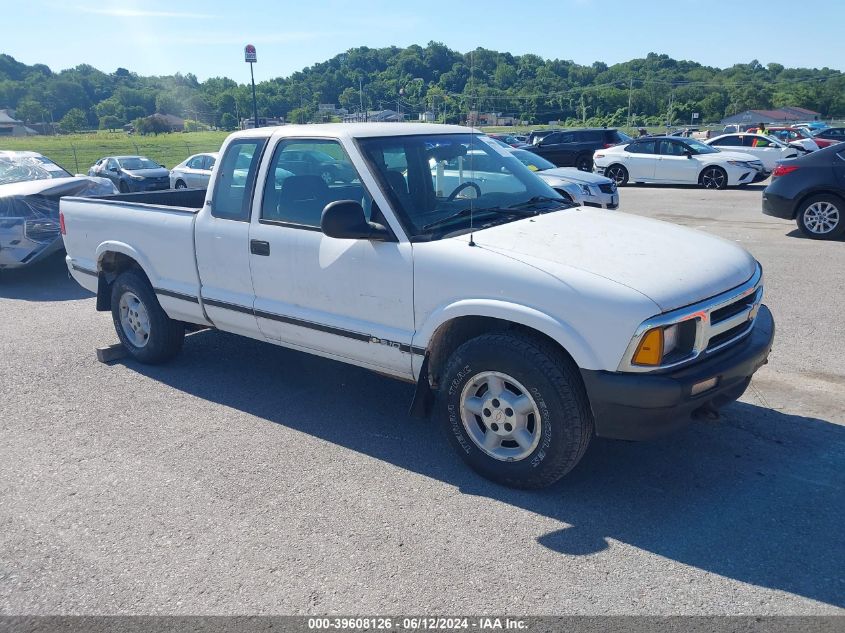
(30, 188)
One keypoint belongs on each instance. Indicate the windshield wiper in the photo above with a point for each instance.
(470, 211)
(531, 202)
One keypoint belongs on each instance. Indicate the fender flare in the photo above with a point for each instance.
(113, 246)
(558, 330)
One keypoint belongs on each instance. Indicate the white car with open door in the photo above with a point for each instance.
(194, 172)
(673, 160)
(769, 150)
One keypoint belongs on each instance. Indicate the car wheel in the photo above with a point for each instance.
(713, 178)
(180, 184)
(820, 217)
(328, 176)
(618, 174)
(123, 187)
(565, 196)
(144, 329)
(515, 409)
(584, 162)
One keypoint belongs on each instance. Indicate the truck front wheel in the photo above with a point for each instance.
(144, 329)
(515, 409)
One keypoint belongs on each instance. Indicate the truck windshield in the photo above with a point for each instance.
(447, 184)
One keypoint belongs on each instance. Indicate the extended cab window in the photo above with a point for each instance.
(305, 176)
(728, 141)
(236, 179)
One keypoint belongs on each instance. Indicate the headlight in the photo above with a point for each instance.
(659, 342)
(738, 163)
(585, 189)
(134, 177)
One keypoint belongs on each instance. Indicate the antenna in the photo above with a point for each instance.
(472, 139)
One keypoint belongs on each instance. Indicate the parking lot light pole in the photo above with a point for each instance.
(250, 57)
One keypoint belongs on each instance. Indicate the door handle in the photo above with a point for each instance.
(259, 247)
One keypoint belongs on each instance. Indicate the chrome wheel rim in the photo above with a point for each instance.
(713, 179)
(327, 177)
(616, 175)
(821, 217)
(134, 319)
(181, 185)
(500, 416)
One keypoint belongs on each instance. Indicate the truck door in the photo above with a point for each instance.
(222, 239)
(348, 298)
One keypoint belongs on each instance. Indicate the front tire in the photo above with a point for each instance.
(820, 217)
(515, 409)
(180, 184)
(584, 162)
(144, 329)
(713, 178)
(618, 174)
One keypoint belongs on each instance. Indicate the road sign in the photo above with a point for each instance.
(695, 115)
(249, 54)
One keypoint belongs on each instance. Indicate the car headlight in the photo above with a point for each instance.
(585, 189)
(659, 343)
(744, 163)
(134, 177)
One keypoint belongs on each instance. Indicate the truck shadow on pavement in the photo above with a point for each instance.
(756, 497)
(47, 280)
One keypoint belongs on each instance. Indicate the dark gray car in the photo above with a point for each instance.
(132, 173)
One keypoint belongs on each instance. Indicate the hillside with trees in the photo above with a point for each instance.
(434, 78)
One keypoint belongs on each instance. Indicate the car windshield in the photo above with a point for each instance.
(532, 160)
(699, 147)
(447, 184)
(16, 168)
(132, 163)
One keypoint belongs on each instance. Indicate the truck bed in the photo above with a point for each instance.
(155, 229)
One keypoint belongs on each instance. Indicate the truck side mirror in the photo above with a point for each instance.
(345, 220)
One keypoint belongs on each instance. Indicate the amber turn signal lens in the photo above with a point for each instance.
(650, 349)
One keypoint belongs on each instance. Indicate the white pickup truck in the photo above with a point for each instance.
(528, 324)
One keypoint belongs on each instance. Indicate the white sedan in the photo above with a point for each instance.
(673, 160)
(193, 172)
(769, 150)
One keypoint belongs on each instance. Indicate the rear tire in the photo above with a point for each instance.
(618, 174)
(144, 329)
(515, 409)
(821, 217)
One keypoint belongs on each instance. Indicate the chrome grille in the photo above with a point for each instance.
(720, 322)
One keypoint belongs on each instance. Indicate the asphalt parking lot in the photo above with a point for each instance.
(243, 478)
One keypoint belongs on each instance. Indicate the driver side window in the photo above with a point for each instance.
(305, 175)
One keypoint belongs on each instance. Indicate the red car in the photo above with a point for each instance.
(790, 134)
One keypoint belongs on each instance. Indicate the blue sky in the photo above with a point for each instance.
(207, 38)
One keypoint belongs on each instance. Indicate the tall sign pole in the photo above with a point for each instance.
(250, 57)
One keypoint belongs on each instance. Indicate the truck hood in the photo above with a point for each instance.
(671, 265)
(571, 174)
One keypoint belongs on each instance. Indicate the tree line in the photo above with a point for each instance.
(646, 91)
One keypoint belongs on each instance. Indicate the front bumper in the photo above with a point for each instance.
(642, 406)
(778, 206)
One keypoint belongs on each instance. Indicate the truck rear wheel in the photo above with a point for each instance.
(515, 410)
(144, 329)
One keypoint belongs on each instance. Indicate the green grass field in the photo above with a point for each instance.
(77, 152)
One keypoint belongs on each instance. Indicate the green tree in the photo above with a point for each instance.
(109, 122)
(228, 121)
(73, 121)
(30, 111)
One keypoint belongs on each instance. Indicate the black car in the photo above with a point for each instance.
(831, 134)
(810, 190)
(132, 173)
(575, 147)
